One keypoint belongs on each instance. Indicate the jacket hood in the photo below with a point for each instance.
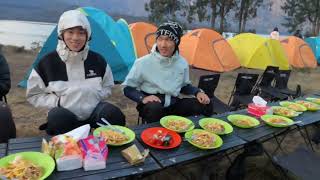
(70, 19)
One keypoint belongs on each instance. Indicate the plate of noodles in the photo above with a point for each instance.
(314, 100)
(113, 137)
(27, 165)
(203, 139)
(293, 106)
(243, 121)
(284, 111)
(177, 123)
(276, 121)
(309, 105)
(216, 126)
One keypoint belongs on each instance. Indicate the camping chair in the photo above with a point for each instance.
(264, 85)
(302, 163)
(149, 41)
(4, 98)
(241, 94)
(281, 84)
(209, 83)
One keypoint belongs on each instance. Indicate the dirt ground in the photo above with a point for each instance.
(28, 118)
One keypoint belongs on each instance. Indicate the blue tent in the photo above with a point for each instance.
(314, 43)
(119, 33)
(100, 43)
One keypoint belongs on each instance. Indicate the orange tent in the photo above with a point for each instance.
(143, 36)
(207, 49)
(299, 53)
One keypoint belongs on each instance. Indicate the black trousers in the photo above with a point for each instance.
(154, 111)
(7, 126)
(61, 120)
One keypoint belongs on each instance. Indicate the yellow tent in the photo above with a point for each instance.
(257, 52)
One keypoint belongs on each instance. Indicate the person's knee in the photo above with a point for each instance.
(208, 109)
(118, 115)
(60, 120)
(153, 107)
(113, 114)
(7, 126)
(152, 112)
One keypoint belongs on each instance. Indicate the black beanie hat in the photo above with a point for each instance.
(171, 29)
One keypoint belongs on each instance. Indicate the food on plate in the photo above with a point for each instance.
(203, 138)
(177, 124)
(114, 137)
(284, 111)
(295, 107)
(244, 122)
(314, 100)
(214, 127)
(308, 105)
(276, 120)
(161, 138)
(21, 169)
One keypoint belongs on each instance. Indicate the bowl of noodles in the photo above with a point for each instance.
(203, 139)
(243, 121)
(216, 126)
(113, 137)
(177, 123)
(276, 121)
(27, 166)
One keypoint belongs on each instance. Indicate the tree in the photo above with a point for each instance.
(163, 10)
(206, 10)
(209, 10)
(246, 9)
(224, 8)
(301, 13)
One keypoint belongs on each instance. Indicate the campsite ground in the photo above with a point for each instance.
(28, 118)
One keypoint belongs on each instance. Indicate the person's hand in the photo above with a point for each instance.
(203, 98)
(151, 98)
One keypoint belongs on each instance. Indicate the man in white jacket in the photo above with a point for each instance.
(72, 81)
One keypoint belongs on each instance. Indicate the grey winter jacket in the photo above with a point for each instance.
(5, 83)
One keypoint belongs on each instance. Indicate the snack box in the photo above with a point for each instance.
(94, 152)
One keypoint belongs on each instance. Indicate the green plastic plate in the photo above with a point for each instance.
(216, 144)
(314, 100)
(293, 106)
(314, 106)
(290, 112)
(164, 123)
(266, 119)
(127, 132)
(42, 160)
(235, 117)
(227, 127)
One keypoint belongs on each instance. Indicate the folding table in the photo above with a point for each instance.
(117, 166)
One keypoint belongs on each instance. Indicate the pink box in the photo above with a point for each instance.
(258, 110)
(95, 152)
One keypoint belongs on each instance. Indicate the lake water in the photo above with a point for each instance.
(24, 33)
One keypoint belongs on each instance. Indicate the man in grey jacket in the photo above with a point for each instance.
(72, 81)
(7, 126)
(156, 80)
